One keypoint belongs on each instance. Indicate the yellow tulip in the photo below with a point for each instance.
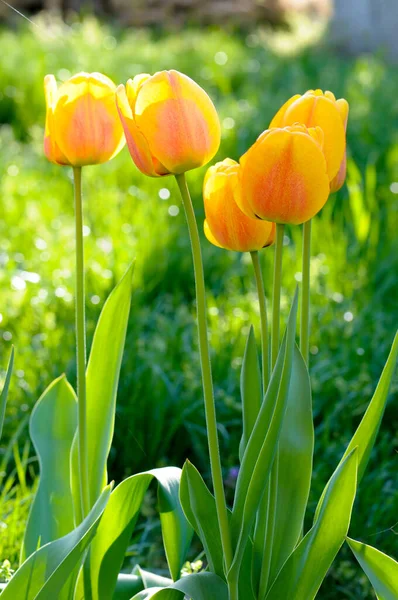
(82, 123)
(170, 123)
(284, 176)
(226, 226)
(318, 109)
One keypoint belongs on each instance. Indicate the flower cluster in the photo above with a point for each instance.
(171, 126)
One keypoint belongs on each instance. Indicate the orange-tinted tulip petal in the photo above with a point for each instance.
(173, 118)
(226, 226)
(284, 176)
(84, 122)
(51, 149)
(316, 108)
(136, 142)
(338, 181)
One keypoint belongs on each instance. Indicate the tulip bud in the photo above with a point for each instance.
(284, 176)
(318, 109)
(82, 123)
(170, 123)
(226, 226)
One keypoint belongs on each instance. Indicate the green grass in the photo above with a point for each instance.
(160, 412)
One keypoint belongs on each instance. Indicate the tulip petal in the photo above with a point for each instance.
(209, 234)
(278, 119)
(313, 110)
(284, 178)
(51, 149)
(86, 123)
(136, 142)
(225, 222)
(178, 120)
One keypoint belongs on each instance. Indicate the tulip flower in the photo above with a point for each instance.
(316, 108)
(82, 123)
(170, 123)
(226, 225)
(284, 176)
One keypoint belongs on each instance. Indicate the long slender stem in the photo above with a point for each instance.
(276, 293)
(81, 346)
(263, 318)
(211, 423)
(274, 475)
(305, 297)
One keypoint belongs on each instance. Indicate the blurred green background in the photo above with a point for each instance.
(160, 417)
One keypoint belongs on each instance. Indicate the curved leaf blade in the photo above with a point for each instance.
(250, 389)
(295, 456)
(381, 570)
(44, 574)
(4, 391)
(102, 380)
(261, 448)
(198, 586)
(303, 572)
(53, 424)
(199, 506)
(365, 436)
(109, 546)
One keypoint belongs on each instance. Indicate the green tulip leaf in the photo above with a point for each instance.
(295, 456)
(382, 570)
(261, 448)
(47, 571)
(250, 387)
(302, 574)
(102, 380)
(365, 436)
(114, 533)
(4, 391)
(127, 585)
(199, 507)
(198, 586)
(53, 425)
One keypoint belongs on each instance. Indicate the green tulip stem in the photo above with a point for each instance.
(263, 318)
(274, 475)
(276, 293)
(305, 299)
(210, 410)
(81, 346)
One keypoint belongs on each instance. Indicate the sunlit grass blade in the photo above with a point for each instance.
(382, 570)
(52, 428)
(302, 574)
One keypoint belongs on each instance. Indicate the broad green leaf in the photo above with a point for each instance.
(127, 585)
(365, 436)
(199, 507)
(44, 574)
(295, 454)
(382, 570)
(198, 586)
(261, 448)
(109, 546)
(4, 391)
(305, 569)
(53, 425)
(153, 579)
(250, 389)
(102, 380)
